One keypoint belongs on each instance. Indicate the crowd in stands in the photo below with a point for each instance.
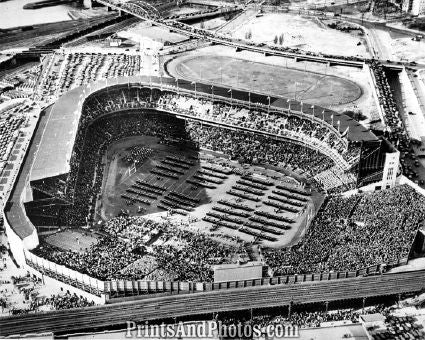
(355, 232)
(251, 148)
(79, 68)
(347, 234)
(264, 121)
(291, 126)
(335, 179)
(304, 318)
(396, 132)
(172, 253)
(86, 173)
(85, 177)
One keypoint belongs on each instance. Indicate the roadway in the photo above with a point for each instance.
(238, 44)
(172, 306)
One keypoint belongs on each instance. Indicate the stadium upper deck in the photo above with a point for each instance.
(53, 143)
(56, 145)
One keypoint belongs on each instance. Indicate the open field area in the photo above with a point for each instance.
(396, 46)
(311, 87)
(302, 32)
(74, 240)
(144, 30)
(205, 185)
(338, 88)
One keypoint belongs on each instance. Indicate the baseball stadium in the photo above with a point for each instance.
(192, 184)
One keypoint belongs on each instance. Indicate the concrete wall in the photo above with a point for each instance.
(17, 245)
(56, 283)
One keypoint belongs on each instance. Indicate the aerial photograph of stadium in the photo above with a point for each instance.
(212, 169)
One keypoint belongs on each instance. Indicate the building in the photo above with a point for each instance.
(379, 164)
(414, 7)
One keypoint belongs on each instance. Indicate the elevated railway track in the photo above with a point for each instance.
(188, 30)
(172, 306)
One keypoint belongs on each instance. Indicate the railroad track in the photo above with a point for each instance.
(210, 302)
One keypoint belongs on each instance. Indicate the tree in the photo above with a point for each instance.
(281, 39)
(275, 39)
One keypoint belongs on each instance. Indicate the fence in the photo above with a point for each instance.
(64, 274)
(122, 288)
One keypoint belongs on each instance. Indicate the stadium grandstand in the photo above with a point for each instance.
(61, 178)
(163, 198)
(57, 162)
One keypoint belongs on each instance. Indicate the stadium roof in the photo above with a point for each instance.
(55, 148)
(58, 138)
(14, 210)
(51, 146)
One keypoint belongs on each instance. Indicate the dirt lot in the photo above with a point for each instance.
(302, 32)
(158, 34)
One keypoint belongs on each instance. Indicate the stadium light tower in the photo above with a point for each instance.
(268, 108)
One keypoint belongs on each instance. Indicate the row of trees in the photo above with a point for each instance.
(278, 39)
